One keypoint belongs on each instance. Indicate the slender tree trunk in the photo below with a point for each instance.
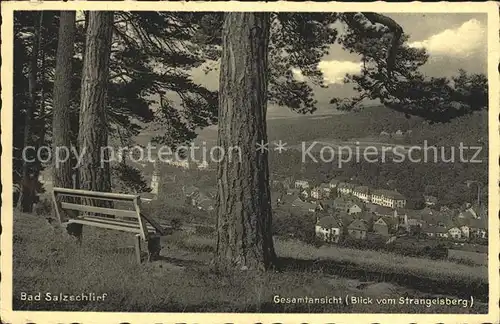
(244, 236)
(28, 183)
(41, 120)
(61, 120)
(93, 130)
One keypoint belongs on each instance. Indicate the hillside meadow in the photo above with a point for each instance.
(48, 260)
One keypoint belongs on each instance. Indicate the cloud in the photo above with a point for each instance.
(462, 41)
(333, 71)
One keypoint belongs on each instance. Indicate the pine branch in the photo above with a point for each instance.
(397, 33)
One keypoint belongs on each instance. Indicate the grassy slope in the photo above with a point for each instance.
(45, 260)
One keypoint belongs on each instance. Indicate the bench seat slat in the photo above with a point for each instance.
(105, 225)
(101, 210)
(107, 219)
(112, 221)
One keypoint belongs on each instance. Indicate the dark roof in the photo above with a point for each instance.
(303, 204)
(382, 210)
(345, 185)
(344, 217)
(411, 213)
(390, 221)
(365, 216)
(327, 202)
(358, 224)
(371, 207)
(362, 189)
(329, 222)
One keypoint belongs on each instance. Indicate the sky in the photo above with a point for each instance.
(453, 40)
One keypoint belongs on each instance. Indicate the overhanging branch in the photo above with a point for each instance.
(397, 32)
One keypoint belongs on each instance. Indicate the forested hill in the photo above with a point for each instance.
(371, 121)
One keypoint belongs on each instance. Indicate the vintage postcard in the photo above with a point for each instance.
(227, 162)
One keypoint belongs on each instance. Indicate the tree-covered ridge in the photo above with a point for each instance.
(371, 121)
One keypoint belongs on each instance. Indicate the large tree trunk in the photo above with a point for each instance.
(93, 134)
(28, 181)
(61, 120)
(244, 236)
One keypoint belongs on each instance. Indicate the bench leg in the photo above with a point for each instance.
(75, 230)
(154, 247)
(137, 244)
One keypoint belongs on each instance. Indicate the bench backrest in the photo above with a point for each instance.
(85, 201)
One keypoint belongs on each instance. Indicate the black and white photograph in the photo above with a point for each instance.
(258, 158)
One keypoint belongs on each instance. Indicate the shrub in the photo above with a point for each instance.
(296, 225)
(43, 207)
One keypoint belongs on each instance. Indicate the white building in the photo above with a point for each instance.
(362, 192)
(328, 229)
(388, 198)
(455, 233)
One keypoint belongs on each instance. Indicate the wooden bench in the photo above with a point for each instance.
(75, 208)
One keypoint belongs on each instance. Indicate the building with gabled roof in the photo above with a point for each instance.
(327, 204)
(304, 205)
(385, 225)
(357, 229)
(329, 229)
(384, 211)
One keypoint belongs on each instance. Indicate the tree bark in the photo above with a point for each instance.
(93, 129)
(28, 182)
(61, 120)
(244, 216)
